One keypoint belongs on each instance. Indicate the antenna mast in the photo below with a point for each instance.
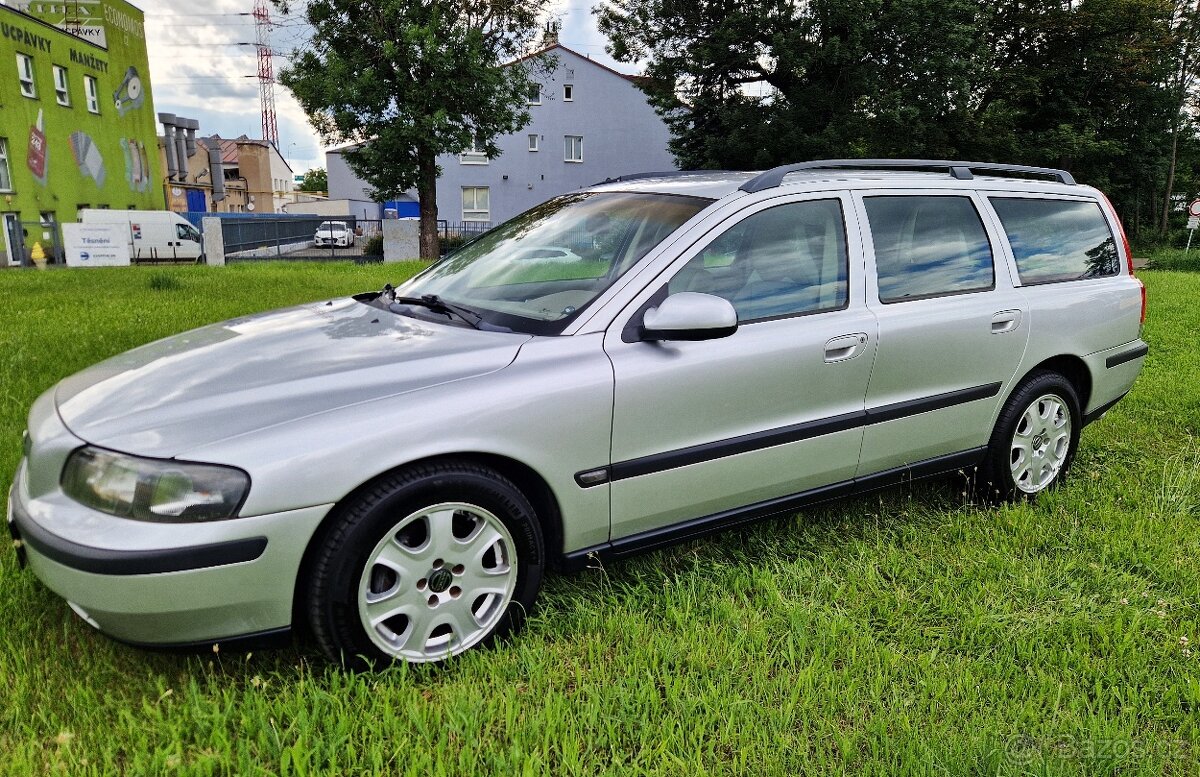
(266, 71)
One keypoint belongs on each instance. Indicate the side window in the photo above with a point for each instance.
(1057, 240)
(783, 261)
(928, 247)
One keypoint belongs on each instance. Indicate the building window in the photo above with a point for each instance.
(474, 155)
(533, 141)
(5, 175)
(62, 95)
(25, 75)
(476, 206)
(568, 92)
(534, 96)
(574, 148)
(91, 94)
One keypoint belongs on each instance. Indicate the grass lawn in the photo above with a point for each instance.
(906, 632)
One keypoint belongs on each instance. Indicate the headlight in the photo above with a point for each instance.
(153, 489)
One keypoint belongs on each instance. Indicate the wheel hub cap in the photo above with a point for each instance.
(1040, 443)
(438, 582)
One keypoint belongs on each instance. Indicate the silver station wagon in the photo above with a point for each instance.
(639, 363)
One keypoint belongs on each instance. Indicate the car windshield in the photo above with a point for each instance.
(538, 271)
(330, 226)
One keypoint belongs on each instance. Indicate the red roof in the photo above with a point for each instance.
(229, 150)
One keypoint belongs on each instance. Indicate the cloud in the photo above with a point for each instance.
(199, 70)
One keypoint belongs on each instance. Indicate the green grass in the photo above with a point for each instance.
(907, 632)
(1176, 259)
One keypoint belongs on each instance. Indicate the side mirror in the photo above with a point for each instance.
(689, 315)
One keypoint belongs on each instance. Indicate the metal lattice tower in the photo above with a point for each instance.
(266, 71)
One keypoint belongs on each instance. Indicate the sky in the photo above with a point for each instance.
(199, 70)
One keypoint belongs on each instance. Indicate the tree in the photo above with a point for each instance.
(315, 181)
(1185, 26)
(407, 80)
(1065, 83)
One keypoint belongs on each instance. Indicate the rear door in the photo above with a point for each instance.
(701, 429)
(952, 327)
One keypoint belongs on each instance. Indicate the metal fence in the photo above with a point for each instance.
(294, 238)
(455, 234)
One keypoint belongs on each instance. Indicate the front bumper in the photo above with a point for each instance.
(163, 584)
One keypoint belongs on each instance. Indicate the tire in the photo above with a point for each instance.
(423, 565)
(1034, 441)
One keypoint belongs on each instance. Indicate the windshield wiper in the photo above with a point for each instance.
(437, 305)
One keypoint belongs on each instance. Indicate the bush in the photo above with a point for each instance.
(374, 245)
(452, 242)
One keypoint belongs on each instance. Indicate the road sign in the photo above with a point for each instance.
(1194, 209)
(1193, 222)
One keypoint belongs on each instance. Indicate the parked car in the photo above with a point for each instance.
(333, 233)
(398, 470)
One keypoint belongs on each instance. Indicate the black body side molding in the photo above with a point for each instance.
(699, 527)
(682, 457)
(1126, 356)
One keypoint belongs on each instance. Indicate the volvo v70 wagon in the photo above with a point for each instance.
(397, 470)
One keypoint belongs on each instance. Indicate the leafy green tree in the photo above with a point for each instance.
(1185, 29)
(316, 180)
(751, 83)
(407, 80)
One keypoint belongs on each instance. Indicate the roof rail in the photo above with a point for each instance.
(665, 174)
(961, 170)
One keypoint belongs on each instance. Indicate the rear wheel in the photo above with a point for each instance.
(1034, 441)
(425, 565)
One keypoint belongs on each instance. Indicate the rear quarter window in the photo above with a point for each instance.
(1057, 240)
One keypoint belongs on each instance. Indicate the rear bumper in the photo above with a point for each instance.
(167, 584)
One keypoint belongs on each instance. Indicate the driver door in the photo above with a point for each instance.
(704, 429)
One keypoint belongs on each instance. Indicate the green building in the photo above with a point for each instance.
(77, 124)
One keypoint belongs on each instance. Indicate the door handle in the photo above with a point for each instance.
(844, 347)
(1005, 321)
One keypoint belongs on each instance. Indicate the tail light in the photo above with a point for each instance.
(1128, 252)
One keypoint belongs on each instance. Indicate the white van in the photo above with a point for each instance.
(154, 235)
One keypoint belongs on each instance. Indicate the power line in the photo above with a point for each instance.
(174, 15)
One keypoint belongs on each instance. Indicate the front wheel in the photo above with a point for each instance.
(425, 565)
(1035, 439)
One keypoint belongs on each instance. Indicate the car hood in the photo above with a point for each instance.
(250, 373)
